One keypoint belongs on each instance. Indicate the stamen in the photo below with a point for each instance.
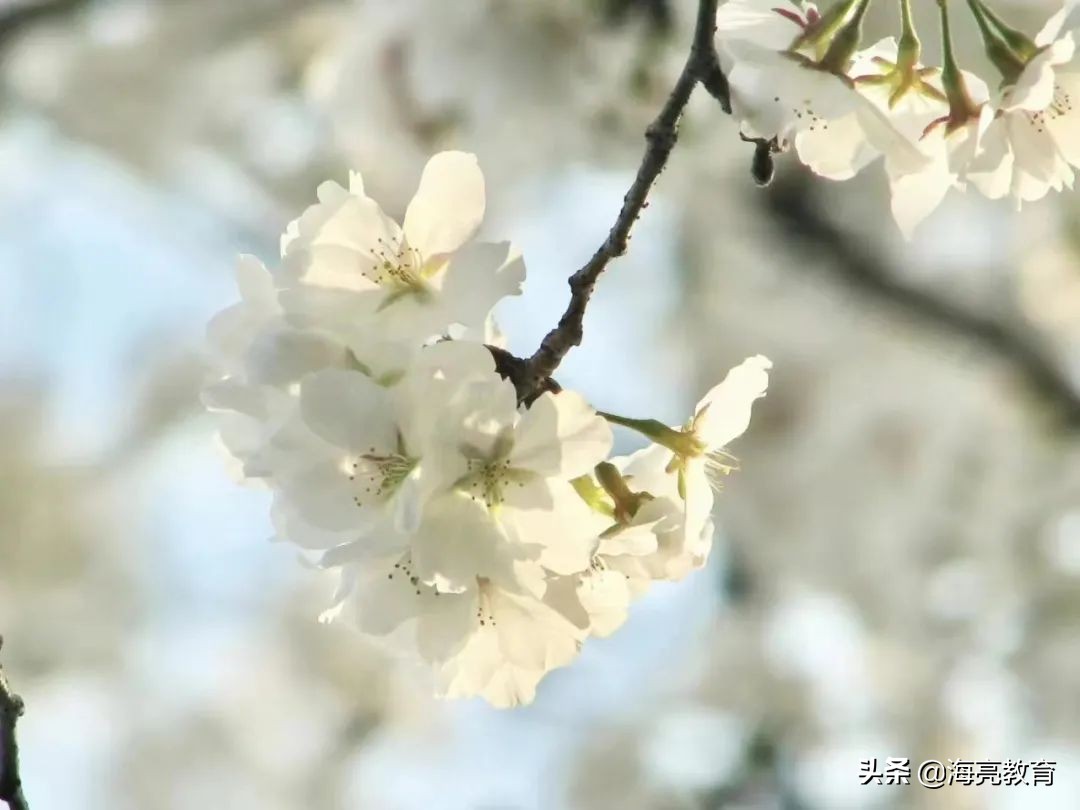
(378, 475)
(718, 465)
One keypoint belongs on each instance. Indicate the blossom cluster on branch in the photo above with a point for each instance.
(492, 531)
(800, 78)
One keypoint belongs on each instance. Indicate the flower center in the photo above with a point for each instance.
(487, 479)
(398, 267)
(378, 476)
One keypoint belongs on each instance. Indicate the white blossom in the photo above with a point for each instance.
(358, 381)
(626, 524)
(261, 358)
(721, 416)
(948, 139)
(1033, 143)
(781, 87)
(517, 465)
(357, 449)
(377, 281)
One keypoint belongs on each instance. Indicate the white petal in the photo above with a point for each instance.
(699, 504)
(283, 355)
(409, 499)
(549, 515)
(763, 115)
(916, 196)
(514, 641)
(532, 634)
(346, 585)
(561, 593)
(385, 595)
(350, 248)
(299, 232)
(758, 23)
(835, 150)
(561, 434)
(477, 277)
(605, 595)
(901, 154)
(437, 376)
(724, 412)
(231, 331)
(349, 410)
(458, 541)
(646, 471)
(1053, 26)
(356, 183)
(634, 541)
(290, 525)
(447, 625)
(479, 671)
(449, 361)
(778, 96)
(323, 496)
(232, 395)
(1033, 147)
(482, 411)
(256, 284)
(1063, 117)
(448, 206)
(1034, 89)
(992, 169)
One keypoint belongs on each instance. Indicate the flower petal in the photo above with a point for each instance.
(446, 627)
(458, 541)
(256, 284)
(1034, 89)
(605, 595)
(724, 412)
(1063, 117)
(281, 356)
(350, 248)
(290, 525)
(477, 277)
(915, 196)
(837, 149)
(448, 206)
(561, 434)
(385, 595)
(349, 410)
(758, 23)
(549, 515)
(1053, 26)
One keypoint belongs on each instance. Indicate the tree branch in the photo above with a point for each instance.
(20, 16)
(702, 66)
(516, 370)
(792, 206)
(11, 709)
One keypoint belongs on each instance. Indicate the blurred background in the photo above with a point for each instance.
(897, 571)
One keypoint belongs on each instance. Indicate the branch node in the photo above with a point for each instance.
(11, 709)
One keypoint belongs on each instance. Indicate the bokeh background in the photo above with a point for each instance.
(897, 569)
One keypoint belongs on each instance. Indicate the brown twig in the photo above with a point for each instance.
(11, 709)
(516, 371)
(702, 67)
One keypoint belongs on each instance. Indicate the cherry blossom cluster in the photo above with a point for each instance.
(487, 533)
(801, 76)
